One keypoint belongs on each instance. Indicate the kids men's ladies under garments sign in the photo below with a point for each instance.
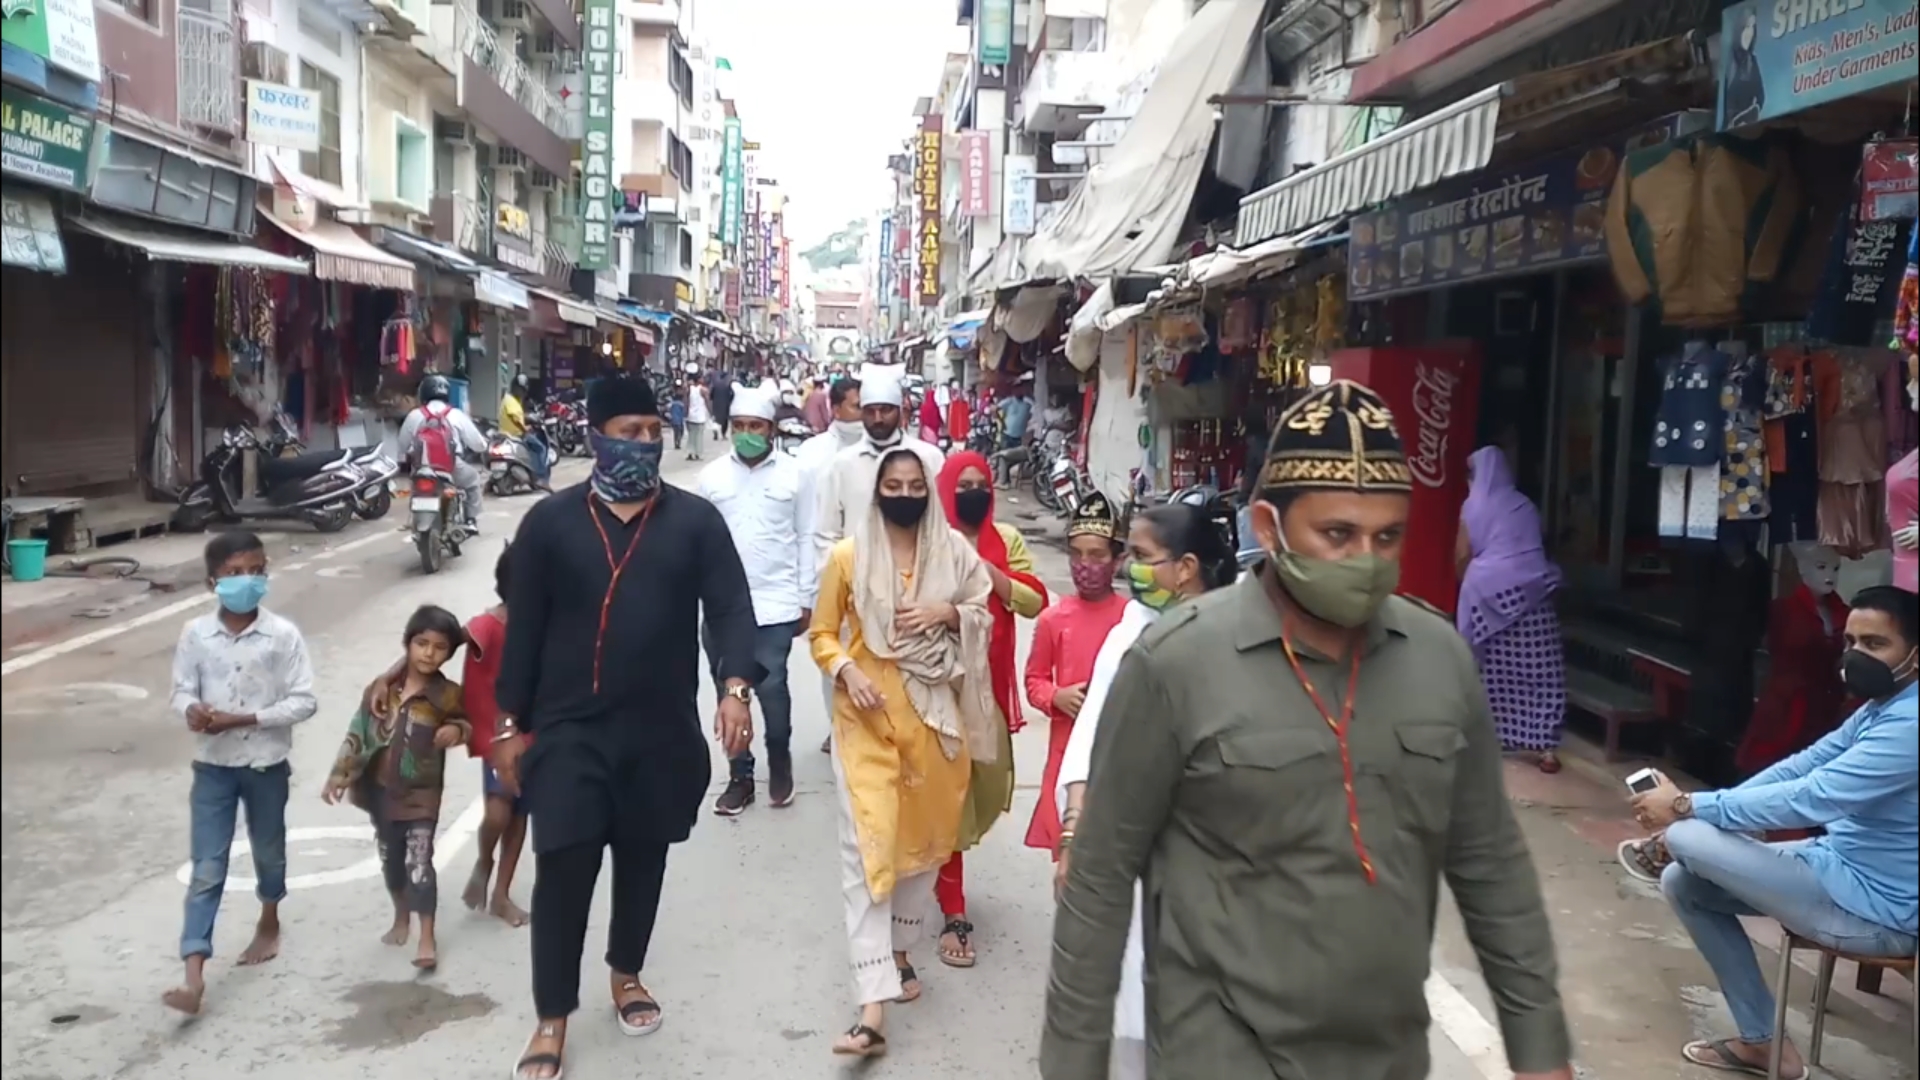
(1781, 56)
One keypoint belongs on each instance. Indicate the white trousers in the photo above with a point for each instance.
(876, 929)
(1128, 1060)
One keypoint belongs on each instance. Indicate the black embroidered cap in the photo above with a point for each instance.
(1339, 437)
(619, 395)
(1093, 518)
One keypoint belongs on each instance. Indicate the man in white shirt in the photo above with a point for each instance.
(763, 495)
(699, 415)
(846, 488)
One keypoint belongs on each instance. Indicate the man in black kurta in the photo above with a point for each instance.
(599, 691)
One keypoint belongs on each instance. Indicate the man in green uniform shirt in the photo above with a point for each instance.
(1294, 763)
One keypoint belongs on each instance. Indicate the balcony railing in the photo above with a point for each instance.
(555, 261)
(208, 56)
(459, 221)
(523, 83)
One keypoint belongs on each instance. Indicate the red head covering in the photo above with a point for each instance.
(993, 548)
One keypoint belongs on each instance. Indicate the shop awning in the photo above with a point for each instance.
(1093, 320)
(162, 244)
(313, 188)
(713, 324)
(420, 250)
(340, 254)
(33, 231)
(493, 287)
(646, 314)
(1223, 267)
(964, 329)
(1451, 141)
(1128, 212)
(572, 311)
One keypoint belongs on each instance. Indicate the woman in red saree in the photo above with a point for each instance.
(966, 491)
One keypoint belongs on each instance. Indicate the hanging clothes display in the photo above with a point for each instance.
(1743, 462)
(1853, 442)
(1802, 698)
(1793, 454)
(1689, 441)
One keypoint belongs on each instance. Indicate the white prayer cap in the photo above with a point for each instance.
(880, 384)
(753, 402)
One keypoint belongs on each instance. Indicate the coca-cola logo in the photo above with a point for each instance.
(1433, 415)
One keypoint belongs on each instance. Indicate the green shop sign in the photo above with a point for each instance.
(597, 190)
(60, 32)
(996, 32)
(45, 142)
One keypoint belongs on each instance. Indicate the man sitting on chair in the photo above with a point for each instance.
(1853, 889)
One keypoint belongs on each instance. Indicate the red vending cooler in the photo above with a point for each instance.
(1434, 391)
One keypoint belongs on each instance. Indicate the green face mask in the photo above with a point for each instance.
(1146, 589)
(1345, 592)
(749, 445)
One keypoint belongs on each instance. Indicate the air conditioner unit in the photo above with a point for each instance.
(545, 46)
(458, 132)
(262, 61)
(542, 180)
(506, 157)
(517, 13)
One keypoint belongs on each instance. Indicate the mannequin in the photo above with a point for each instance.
(1903, 480)
(1802, 699)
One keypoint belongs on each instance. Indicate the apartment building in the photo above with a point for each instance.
(655, 111)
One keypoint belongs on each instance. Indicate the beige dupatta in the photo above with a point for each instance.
(945, 671)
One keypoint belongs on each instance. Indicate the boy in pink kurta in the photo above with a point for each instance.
(1066, 639)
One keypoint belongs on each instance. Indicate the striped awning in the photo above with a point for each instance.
(1454, 140)
(340, 254)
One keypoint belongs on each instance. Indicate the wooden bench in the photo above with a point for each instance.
(57, 515)
(1790, 943)
(1613, 704)
(1669, 680)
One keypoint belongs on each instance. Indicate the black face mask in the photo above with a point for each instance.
(904, 511)
(1867, 676)
(972, 505)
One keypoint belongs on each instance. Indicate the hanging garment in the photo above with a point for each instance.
(1743, 464)
(1695, 223)
(1853, 443)
(1690, 502)
(1802, 698)
(1859, 282)
(1688, 420)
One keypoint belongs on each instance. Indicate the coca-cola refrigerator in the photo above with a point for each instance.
(1434, 392)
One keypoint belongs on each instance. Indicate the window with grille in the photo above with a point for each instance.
(323, 164)
(679, 159)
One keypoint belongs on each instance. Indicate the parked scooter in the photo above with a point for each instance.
(510, 465)
(318, 488)
(439, 517)
(371, 502)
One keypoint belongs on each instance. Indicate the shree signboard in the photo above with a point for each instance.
(926, 181)
(1780, 56)
(597, 57)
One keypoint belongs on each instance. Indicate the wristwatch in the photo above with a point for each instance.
(1682, 805)
(741, 693)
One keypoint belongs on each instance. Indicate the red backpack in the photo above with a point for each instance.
(433, 443)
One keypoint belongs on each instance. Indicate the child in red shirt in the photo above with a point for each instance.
(505, 825)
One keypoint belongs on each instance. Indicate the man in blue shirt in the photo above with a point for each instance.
(1857, 888)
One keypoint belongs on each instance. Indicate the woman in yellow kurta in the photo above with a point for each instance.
(912, 712)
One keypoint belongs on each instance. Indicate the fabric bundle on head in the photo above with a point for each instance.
(618, 395)
(883, 384)
(755, 403)
(1339, 437)
(948, 679)
(1093, 518)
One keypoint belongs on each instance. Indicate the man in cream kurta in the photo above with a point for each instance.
(846, 488)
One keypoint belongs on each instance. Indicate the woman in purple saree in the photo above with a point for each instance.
(1506, 609)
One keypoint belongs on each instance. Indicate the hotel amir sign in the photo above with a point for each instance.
(926, 185)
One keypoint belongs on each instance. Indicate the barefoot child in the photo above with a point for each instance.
(506, 822)
(241, 680)
(394, 768)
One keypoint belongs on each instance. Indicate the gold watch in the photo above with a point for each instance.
(741, 693)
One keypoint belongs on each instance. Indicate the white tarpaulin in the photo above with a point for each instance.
(1129, 210)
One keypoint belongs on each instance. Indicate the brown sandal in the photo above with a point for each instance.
(875, 1045)
(908, 975)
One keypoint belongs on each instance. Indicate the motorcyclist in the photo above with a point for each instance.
(513, 424)
(470, 447)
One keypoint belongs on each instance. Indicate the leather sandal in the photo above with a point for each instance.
(908, 975)
(875, 1045)
(962, 931)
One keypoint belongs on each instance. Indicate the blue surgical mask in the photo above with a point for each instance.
(624, 470)
(242, 593)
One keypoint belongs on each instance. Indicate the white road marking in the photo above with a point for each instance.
(446, 848)
(1477, 1039)
(71, 696)
(157, 615)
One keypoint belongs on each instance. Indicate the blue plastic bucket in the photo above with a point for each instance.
(28, 558)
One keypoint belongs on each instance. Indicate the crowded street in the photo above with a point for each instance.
(748, 960)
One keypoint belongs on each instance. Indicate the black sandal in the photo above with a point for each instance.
(642, 1015)
(908, 975)
(961, 930)
(531, 1060)
(876, 1043)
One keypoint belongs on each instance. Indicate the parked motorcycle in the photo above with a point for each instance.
(370, 503)
(439, 517)
(565, 424)
(510, 465)
(318, 488)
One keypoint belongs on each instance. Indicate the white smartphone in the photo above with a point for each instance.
(1643, 781)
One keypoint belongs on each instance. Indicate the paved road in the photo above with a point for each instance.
(749, 960)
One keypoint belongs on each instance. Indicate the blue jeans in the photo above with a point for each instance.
(771, 647)
(219, 791)
(1716, 877)
(537, 450)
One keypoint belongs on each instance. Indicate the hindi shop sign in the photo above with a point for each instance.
(927, 184)
(1548, 214)
(1018, 177)
(283, 116)
(597, 195)
(1780, 56)
(44, 141)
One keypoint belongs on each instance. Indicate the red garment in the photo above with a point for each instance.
(959, 420)
(486, 637)
(1066, 641)
(949, 888)
(1803, 699)
(930, 418)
